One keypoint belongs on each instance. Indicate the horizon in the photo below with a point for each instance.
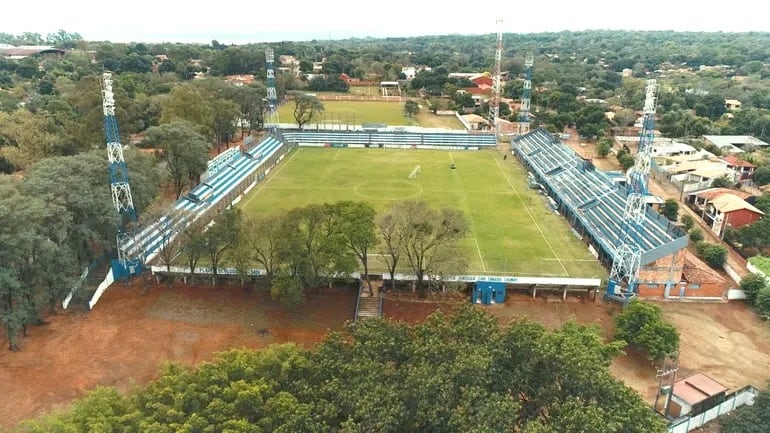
(156, 22)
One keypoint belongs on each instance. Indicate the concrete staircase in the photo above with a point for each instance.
(369, 305)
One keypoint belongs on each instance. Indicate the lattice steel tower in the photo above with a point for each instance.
(271, 120)
(628, 253)
(494, 103)
(129, 258)
(526, 93)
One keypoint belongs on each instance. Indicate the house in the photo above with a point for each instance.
(732, 104)
(699, 280)
(734, 143)
(476, 122)
(484, 82)
(722, 208)
(409, 72)
(743, 169)
(695, 394)
(627, 72)
(240, 80)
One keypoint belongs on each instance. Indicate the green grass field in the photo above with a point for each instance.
(352, 113)
(512, 229)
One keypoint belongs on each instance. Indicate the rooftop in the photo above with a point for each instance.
(737, 162)
(696, 388)
(731, 203)
(712, 193)
(721, 141)
(696, 270)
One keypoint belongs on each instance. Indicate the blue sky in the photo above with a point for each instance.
(259, 21)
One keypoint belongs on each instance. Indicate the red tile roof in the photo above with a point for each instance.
(696, 388)
(712, 193)
(737, 162)
(697, 271)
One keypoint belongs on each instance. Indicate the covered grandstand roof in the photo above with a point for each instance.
(23, 51)
(593, 198)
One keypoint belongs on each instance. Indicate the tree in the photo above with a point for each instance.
(714, 255)
(185, 103)
(750, 419)
(28, 138)
(751, 284)
(711, 106)
(604, 146)
(425, 234)
(305, 107)
(313, 245)
(722, 182)
(359, 231)
(761, 175)
(263, 237)
(590, 120)
(221, 237)
(641, 325)
(225, 115)
(388, 224)
(36, 262)
(183, 149)
(411, 108)
(687, 222)
(453, 373)
(670, 209)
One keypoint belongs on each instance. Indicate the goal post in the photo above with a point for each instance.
(415, 172)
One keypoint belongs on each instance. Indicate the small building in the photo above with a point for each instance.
(695, 394)
(722, 208)
(735, 143)
(240, 80)
(390, 88)
(484, 82)
(732, 104)
(742, 168)
(476, 122)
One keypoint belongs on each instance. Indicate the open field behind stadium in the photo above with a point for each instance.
(352, 113)
(512, 230)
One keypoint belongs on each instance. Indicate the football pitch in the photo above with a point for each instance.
(512, 229)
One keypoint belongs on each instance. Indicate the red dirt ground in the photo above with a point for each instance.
(127, 337)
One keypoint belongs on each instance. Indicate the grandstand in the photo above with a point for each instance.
(445, 140)
(211, 191)
(594, 205)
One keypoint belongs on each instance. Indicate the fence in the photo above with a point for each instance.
(744, 396)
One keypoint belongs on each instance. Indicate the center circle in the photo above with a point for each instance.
(388, 189)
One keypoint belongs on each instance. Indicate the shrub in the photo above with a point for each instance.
(752, 284)
(687, 221)
(696, 235)
(641, 325)
(713, 254)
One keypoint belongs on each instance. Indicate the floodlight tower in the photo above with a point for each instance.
(129, 257)
(526, 93)
(628, 253)
(494, 103)
(271, 121)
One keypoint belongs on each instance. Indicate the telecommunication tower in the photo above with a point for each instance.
(129, 260)
(526, 93)
(628, 253)
(271, 120)
(494, 103)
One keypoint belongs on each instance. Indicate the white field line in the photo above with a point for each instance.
(534, 221)
(336, 154)
(275, 173)
(480, 256)
(451, 158)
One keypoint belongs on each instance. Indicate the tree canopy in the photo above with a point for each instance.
(455, 372)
